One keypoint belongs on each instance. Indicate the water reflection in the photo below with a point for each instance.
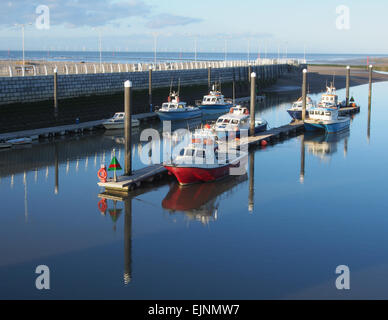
(200, 202)
(325, 145)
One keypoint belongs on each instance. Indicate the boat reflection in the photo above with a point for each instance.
(323, 146)
(200, 202)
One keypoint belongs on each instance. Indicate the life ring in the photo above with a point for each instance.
(102, 174)
(102, 206)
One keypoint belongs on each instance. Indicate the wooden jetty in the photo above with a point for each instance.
(72, 128)
(157, 172)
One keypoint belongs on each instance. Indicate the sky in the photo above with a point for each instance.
(208, 25)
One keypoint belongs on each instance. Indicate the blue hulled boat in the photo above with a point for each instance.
(327, 119)
(175, 109)
(296, 110)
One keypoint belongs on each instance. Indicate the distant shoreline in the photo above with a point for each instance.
(320, 75)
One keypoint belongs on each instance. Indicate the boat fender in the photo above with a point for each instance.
(231, 110)
(264, 143)
(102, 174)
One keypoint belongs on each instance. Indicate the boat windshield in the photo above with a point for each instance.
(220, 120)
(226, 120)
(189, 152)
(234, 121)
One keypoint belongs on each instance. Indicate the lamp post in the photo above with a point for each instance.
(23, 26)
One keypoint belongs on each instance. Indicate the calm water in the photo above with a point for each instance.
(134, 57)
(216, 241)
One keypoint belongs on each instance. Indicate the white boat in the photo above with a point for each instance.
(117, 122)
(238, 119)
(19, 141)
(215, 102)
(175, 109)
(4, 145)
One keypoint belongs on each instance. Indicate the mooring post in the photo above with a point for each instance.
(370, 86)
(347, 85)
(56, 91)
(304, 94)
(150, 88)
(234, 92)
(253, 103)
(128, 127)
(209, 77)
(128, 241)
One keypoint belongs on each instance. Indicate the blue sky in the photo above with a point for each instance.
(131, 24)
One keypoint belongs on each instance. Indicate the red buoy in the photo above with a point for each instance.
(264, 143)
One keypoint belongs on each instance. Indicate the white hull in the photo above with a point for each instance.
(119, 125)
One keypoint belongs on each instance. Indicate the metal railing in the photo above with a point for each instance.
(67, 68)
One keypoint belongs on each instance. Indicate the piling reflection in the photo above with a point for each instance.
(200, 202)
(251, 203)
(115, 213)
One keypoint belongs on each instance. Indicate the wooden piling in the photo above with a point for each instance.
(253, 103)
(370, 86)
(347, 85)
(56, 91)
(150, 88)
(304, 94)
(209, 78)
(128, 127)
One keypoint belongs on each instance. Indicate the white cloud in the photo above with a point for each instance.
(169, 20)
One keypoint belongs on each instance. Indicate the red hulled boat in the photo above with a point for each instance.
(201, 161)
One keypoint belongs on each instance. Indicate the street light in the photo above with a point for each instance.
(99, 43)
(23, 27)
(155, 46)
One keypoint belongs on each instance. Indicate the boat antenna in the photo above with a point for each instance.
(171, 86)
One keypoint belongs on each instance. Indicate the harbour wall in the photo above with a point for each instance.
(40, 88)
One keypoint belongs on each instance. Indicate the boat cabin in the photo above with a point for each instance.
(214, 98)
(323, 114)
(330, 97)
(119, 116)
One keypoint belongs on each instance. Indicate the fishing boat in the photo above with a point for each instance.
(117, 122)
(201, 161)
(215, 102)
(238, 119)
(20, 141)
(175, 109)
(326, 118)
(297, 108)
